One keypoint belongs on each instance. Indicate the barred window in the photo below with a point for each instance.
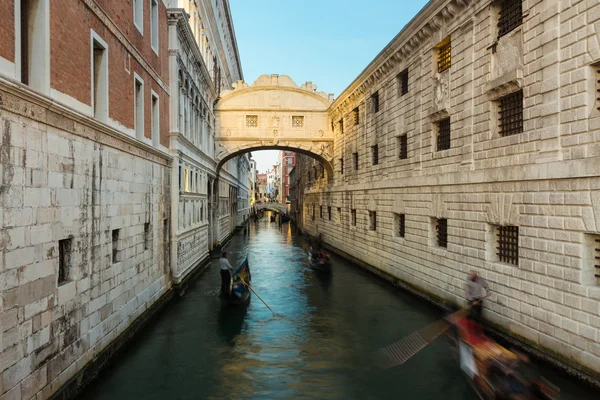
(251, 121)
(403, 82)
(372, 220)
(442, 232)
(511, 16)
(375, 154)
(403, 147)
(321, 212)
(400, 220)
(355, 115)
(444, 58)
(342, 165)
(355, 155)
(353, 216)
(297, 121)
(511, 114)
(339, 209)
(595, 240)
(329, 212)
(443, 137)
(375, 102)
(313, 213)
(508, 244)
(341, 123)
(65, 248)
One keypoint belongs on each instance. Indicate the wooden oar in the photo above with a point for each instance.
(260, 298)
(401, 351)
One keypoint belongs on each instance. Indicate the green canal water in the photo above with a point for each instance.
(318, 346)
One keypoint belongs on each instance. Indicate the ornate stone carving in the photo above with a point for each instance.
(501, 210)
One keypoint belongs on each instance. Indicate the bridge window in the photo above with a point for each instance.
(251, 121)
(297, 121)
(444, 59)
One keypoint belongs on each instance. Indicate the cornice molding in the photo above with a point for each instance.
(47, 111)
(406, 43)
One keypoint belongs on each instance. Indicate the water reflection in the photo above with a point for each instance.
(319, 344)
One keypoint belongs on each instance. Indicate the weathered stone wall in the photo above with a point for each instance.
(58, 183)
(544, 180)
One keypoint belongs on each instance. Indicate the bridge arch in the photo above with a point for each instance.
(274, 113)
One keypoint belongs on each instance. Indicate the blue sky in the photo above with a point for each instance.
(328, 42)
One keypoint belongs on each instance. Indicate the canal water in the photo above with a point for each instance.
(317, 346)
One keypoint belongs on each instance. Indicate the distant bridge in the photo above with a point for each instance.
(277, 207)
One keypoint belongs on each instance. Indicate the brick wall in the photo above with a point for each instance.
(7, 30)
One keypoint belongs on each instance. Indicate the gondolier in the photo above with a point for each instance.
(476, 290)
(226, 269)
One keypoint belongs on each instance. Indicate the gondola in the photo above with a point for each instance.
(239, 292)
(493, 371)
(285, 218)
(272, 218)
(319, 260)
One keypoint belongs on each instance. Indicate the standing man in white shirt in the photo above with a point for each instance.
(226, 270)
(476, 290)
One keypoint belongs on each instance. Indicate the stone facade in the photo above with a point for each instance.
(429, 181)
(98, 222)
(199, 220)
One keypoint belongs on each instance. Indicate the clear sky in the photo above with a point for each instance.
(328, 42)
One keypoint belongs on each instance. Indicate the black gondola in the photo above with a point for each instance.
(319, 260)
(239, 292)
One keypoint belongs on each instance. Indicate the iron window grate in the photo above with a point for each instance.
(329, 212)
(442, 232)
(375, 102)
(401, 225)
(375, 154)
(353, 214)
(508, 244)
(443, 138)
(403, 82)
(444, 60)
(355, 155)
(356, 116)
(511, 114)
(342, 165)
(598, 86)
(403, 141)
(251, 121)
(341, 122)
(321, 212)
(511, 16)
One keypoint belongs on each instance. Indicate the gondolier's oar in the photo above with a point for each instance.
(401, 351)
(253, 291)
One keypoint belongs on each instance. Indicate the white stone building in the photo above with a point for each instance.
(205, 209)
(472, 141)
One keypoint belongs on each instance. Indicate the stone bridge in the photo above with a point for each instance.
(274, 113)
(278, 207)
